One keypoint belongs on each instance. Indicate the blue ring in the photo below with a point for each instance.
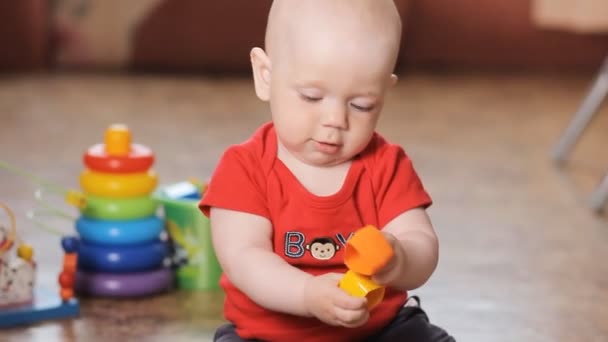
(119, 232)
(122, 259)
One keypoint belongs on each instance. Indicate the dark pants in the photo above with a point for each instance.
(411, 324)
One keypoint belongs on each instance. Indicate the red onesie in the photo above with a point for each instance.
(310, 231)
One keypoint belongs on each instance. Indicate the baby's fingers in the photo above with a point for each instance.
(333, 278)
(344, 301)
(351, 318)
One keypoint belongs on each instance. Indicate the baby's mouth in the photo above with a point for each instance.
(327, 147)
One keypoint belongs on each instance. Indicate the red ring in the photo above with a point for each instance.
(140, 159)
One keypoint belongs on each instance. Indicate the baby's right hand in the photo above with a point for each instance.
(330, 304)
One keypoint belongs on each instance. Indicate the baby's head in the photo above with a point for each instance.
(325, 71)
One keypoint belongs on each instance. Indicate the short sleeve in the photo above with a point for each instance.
(397, 185)
(236, 184)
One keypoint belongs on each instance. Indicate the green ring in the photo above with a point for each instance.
(132, 208)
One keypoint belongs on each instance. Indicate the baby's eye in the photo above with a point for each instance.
(309, 98)
(362, 108)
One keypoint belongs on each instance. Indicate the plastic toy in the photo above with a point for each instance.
(46, 306)
(16, 276)
(119, 233)
(118, 225)
(20, 301)
(120, 252)
(139, 159)
(118, 185)
(182, 191)
(198, 267)
(124, 285)
(365, 253)
(119, 208)
(362, 286)
(67, 277)
(118, 154)
(122, 259)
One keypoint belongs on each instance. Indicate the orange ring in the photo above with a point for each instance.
(140, 159)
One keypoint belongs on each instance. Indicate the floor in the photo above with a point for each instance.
(521, 253)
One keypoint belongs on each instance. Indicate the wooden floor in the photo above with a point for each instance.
(521, 253)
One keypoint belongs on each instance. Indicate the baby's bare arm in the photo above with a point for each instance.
(243, 244)
(416, 251)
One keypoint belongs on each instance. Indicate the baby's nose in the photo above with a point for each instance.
(336, 116)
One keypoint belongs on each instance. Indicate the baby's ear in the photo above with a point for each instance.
(394, 79)
(260, 64)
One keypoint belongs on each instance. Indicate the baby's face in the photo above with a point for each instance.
(328, 75)
(326, 102)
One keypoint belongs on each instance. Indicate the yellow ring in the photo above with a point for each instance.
(118, 185)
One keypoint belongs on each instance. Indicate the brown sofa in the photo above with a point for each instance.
(24, 34)
(493, 34)
(216, 36)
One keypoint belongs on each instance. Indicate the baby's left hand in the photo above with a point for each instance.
(393, 269)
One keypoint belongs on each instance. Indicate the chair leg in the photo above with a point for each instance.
(600, 195)
(584, 115)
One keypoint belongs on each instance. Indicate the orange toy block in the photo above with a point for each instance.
(367, 251)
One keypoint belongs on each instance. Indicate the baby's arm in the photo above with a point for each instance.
(416, 251)
(243, 244)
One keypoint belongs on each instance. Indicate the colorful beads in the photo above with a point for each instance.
(25, 252)
(67, 279)
(70, 263)
(66, 293)
(70, 244)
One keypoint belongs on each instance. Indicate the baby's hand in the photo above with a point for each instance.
(330, 304)
(392, 270)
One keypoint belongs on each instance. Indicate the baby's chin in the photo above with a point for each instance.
(318, 159)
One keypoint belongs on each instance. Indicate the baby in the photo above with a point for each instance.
(315, 174)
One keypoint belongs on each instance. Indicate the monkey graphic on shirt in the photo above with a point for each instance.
(323, 248)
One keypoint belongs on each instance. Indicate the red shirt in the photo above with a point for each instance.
(380, 185)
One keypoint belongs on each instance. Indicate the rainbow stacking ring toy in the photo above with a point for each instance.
(119, 233)
(124, 285)
(121, 253)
